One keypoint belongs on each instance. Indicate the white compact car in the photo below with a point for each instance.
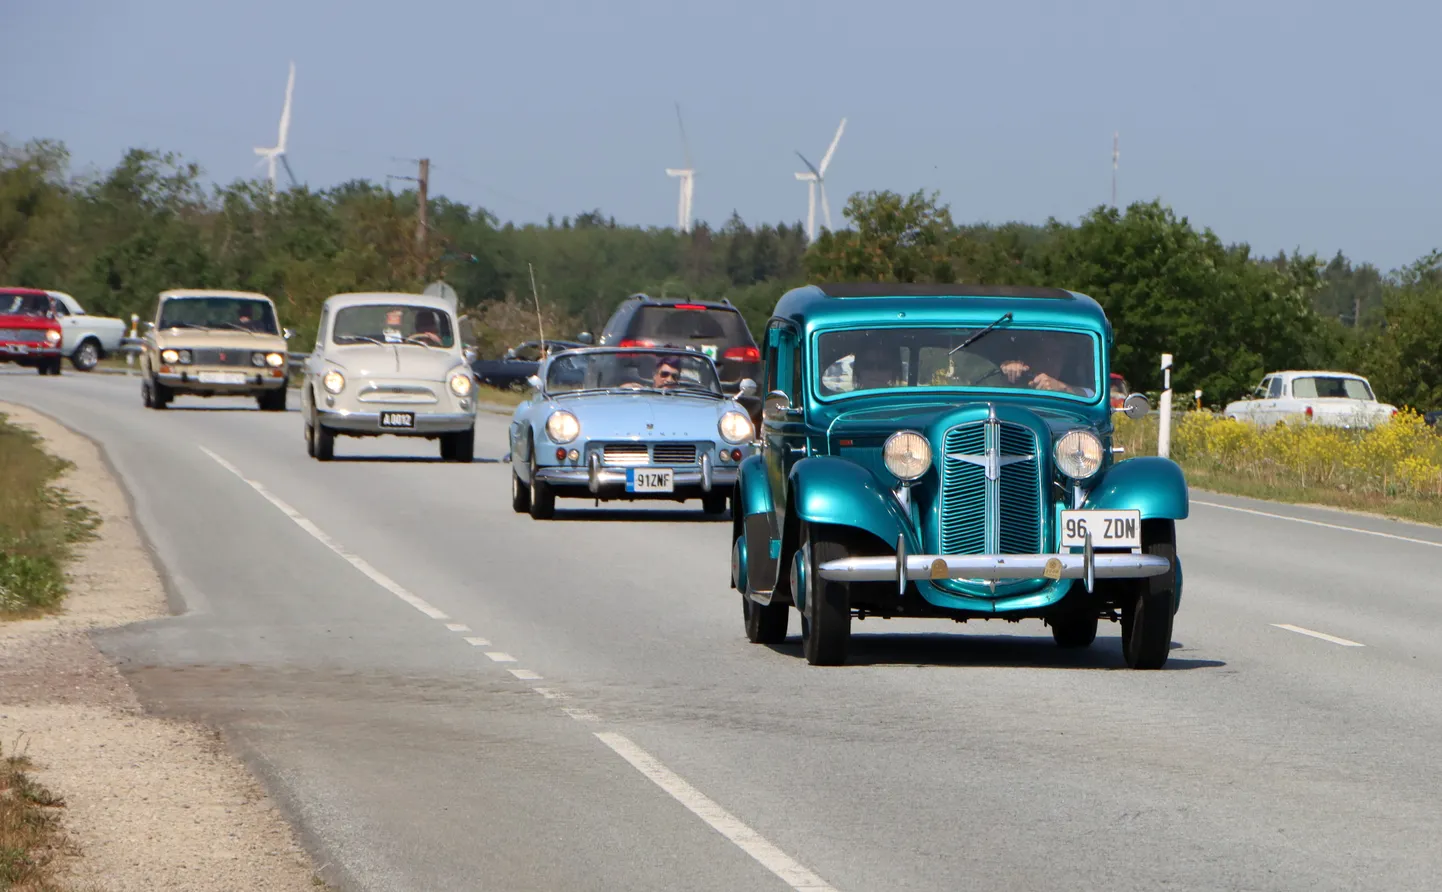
(389, 364)
(1335, 399)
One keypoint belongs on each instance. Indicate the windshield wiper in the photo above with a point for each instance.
(971, 340)
(366, 338)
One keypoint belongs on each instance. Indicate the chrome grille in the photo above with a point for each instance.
(674, 453)
(32, 335)
(626, 454)
(968, 501)
(214, 356)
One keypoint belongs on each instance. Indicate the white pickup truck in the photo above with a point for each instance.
(86, 339)
(1335, 399)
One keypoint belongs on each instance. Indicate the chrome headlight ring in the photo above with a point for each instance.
(562, 427)
(907, 455)
(1078, 454)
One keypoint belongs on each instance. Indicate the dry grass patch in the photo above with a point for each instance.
(31, 841)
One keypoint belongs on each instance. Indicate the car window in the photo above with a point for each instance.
(24, 304)
(393, 324)
(320, 329)
(878, 359)
(632, 369)
(240, 313)
(1331, 387)
(710, 329)
(1275, 390)
(528, 352)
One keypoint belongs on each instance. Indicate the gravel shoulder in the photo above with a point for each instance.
(151, 803)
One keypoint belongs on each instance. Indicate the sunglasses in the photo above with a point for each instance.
(665, 374)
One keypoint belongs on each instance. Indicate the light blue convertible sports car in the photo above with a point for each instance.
(608, 423)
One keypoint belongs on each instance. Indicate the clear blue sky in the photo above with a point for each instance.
(1283, 123)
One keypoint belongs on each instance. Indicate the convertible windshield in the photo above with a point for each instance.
(879, 359)
(393, 324)
(246, 314)
(683, 371)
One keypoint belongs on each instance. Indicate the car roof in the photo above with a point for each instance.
(836, 304)
(211, 292)
(1308, 374)
(648, 300)
(16, 289)
(369, 298)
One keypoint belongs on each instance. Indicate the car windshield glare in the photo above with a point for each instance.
(1062, 362)
(632, 369)
(245, 314)
(393, 324)
(1331, 387)
(24, 304)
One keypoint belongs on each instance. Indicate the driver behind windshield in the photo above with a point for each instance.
(1034, 362)
(667, 374)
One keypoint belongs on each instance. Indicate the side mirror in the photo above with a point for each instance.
(585, 338)
(287, 333)
(534, 381)
(747, 387)
(778, 407)
(1136, 406)
(510, 353)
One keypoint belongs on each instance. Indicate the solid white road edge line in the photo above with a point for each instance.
(1322, 635)
(1318, 523)
(719, 819)
(356, 561)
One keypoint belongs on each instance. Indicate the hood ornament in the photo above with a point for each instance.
(992, 461)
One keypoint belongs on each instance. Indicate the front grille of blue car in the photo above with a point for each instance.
(656, 454)
(981, 516)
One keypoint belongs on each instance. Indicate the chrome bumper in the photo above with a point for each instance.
(370, 422)
(594, 476)
(189, 381)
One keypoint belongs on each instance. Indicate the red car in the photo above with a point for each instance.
(1120, 390)
(30, 329)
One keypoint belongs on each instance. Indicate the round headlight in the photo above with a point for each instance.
(333, 381)
(1079, 454)
(907, 455)
(461, 384)
(185, 357)
(52, 336)
(170, 356)
(735, 427)
(562, 427)
(275, 360)
(257, 359)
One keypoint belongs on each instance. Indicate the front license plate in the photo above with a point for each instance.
(650, 480)
(18, 348)
(398, 419)
(1109, 529)
(221, 377)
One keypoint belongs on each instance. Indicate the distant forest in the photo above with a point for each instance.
(117, 238)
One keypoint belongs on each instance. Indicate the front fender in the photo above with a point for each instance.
(828, 490)
(1153, 485)
(753, 495)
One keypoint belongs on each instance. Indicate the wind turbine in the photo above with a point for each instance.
(688, 179)
(815, 178)
(269, 155)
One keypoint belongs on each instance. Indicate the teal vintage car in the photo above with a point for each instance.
(946, 451)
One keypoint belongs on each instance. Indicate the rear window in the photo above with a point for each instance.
(1321, 388)
(677, 325)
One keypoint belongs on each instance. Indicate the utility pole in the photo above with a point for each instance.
(1116, 154)
(423, 183)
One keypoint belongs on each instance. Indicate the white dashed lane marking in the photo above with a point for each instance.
(525, 674)
(477, 642)
(458, 627)
(500, 656)
(1322, 635)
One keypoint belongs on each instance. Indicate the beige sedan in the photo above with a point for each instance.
(214, 343)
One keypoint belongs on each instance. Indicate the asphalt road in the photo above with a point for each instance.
(446, 695)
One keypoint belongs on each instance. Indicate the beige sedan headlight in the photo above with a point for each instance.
(906, 454)
(275, 360)
(333, 382)
(461, 384)
(1079, 454)
(171, 356)
(735, 427)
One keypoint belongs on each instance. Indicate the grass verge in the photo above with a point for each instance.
(30, 835)
(39, 524)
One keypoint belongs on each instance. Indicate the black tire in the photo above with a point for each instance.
(1148, 612)
(86, 356)
(543, 497)
(826, 618)
(309, 441)
(160, 395)
(271, 400)
(462, 446)
(147, 399)
(520, 494)
(765, 623)
(714, 503)
(1074, 627)
(322, 441)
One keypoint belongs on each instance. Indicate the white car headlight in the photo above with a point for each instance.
(171, 356)
(52, 336)
(1079, 454)
(257, 359)
(461, 384)
(275, 360)
(333, 381)
(562, 426)
(185, 357)
(735, 427)
(907, 455)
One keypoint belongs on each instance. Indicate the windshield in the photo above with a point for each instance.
(1003, 358)
(634, 370)
(24, 304)
(709, 330)
(242, 313)
(1346, 388)
(393, 324)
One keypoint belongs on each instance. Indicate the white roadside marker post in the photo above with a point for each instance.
(1164, 426)
(130, 354)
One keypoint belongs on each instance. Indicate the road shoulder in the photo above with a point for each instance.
(151, 803)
